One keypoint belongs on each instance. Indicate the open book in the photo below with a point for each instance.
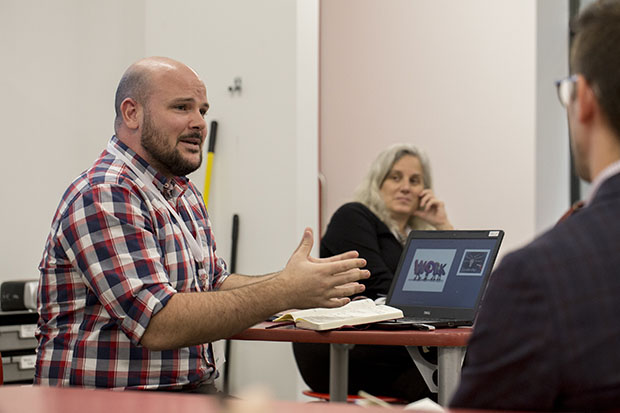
(356, 312)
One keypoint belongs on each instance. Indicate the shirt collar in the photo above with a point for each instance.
(169, 187)
(605, 174)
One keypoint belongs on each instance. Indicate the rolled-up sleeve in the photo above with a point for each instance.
(109, 235)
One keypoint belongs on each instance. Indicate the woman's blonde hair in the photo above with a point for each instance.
(368, 192)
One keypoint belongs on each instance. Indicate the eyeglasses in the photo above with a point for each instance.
(566, 89)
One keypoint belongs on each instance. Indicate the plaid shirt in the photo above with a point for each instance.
(113, 259)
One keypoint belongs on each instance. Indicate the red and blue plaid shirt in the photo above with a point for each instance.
(113, 259)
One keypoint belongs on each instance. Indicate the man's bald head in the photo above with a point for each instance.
(137, 81)
(160, 108)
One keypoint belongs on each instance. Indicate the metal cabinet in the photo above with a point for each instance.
(18, 345)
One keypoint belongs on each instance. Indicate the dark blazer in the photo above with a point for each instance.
(354, 227)
(548, 334)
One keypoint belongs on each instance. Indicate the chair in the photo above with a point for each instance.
(351, 397)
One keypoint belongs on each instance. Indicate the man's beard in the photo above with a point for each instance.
(170, 158)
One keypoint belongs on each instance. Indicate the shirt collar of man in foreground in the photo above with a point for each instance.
(608, 172)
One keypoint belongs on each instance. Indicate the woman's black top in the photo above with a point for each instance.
(355, 227)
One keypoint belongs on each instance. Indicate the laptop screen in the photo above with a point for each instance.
(443, 273)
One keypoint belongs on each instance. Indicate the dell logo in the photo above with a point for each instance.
(427, 313)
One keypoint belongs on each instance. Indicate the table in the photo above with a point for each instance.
(39, 399)
(450, 345)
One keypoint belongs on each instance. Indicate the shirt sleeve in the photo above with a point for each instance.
(351, 228)
(108, 235)
(510, 356)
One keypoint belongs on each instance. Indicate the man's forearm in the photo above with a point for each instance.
(237, 280)
(305, 282)
(196, 318)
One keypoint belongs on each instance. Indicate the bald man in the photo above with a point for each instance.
(131, 289)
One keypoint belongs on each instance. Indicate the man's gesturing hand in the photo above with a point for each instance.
(321, 282)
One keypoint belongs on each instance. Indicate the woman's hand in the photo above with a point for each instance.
(433, 211)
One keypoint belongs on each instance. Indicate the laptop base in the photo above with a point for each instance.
(415, 324)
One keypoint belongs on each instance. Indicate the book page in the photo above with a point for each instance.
(353, 311)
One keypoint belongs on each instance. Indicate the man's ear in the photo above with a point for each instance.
(132, 113)
(585, 100)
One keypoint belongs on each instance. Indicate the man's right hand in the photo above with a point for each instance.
(310, 282)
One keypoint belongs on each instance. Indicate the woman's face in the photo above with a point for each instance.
(401, 188)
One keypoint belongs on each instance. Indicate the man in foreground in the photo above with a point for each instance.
(131, 290)
(548, 332)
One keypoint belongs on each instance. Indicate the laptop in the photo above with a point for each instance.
(441, 277)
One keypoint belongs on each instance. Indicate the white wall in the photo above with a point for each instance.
(61, 62)
(552, 140)
(458, 79)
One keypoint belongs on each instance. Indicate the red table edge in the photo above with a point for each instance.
(450, 337)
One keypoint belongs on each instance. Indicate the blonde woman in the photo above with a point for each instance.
(394, 198)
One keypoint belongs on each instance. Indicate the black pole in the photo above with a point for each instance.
(233, 269)
(235, 238)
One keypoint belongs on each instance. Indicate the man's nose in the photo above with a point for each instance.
(198, 121)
